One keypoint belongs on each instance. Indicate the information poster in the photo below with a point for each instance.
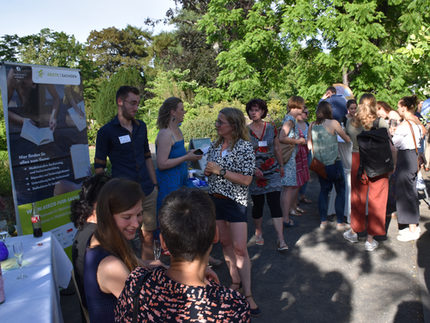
(47, 143)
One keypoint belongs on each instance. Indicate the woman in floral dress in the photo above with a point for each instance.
(266, 183)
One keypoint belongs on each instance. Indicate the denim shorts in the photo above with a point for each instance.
(229, 210)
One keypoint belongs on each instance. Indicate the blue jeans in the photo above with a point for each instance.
(336, 177)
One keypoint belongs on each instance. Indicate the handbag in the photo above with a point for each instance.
(316, 165)
(287, 149)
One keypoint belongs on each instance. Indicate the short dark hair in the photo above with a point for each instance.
(83, 207)
(124, 90)
(323, 112)
(331, 89)
(188, 223)
(261, 104)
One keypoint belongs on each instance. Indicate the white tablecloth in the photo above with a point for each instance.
(36, 298)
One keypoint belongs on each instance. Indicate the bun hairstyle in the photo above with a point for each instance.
(83, 207)
(410, 102)
(170, 104)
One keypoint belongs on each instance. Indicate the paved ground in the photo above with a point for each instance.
(323, 278)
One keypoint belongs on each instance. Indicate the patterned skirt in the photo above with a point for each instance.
(302, 169)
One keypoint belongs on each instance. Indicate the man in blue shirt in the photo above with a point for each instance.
(337, 102)
(125, 141)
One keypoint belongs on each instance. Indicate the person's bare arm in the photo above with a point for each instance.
(283, 136)
(214, 168)
(338, 129)
(278, 154)
(164, 146)
(111, 275)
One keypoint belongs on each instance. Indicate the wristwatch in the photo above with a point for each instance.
(222, 172)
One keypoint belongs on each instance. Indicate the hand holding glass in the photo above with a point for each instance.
(18, 252)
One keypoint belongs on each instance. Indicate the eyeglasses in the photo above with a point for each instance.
(132, 103)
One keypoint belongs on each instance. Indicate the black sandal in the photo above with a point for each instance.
(254, 311)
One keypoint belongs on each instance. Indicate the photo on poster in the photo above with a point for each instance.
(46, 120)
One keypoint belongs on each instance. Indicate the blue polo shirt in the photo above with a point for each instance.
(127, 152)
(338, 106)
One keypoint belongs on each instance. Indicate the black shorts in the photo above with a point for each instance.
(229, 210)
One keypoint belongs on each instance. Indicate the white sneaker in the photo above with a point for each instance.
(350, 236)
(409, 236)
(406, 230)
(370, 246)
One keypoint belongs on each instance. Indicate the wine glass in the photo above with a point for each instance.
(3, 231)
(157, 249)
(18, 252)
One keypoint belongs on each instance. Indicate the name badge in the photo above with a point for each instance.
(124, 139)
(262, 143)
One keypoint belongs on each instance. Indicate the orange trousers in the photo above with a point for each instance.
(377, 202)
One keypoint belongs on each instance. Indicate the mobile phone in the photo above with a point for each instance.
(198, 152)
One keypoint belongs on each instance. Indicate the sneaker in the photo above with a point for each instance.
(406, 230)
(259, 241)
(370, 246)
(408, 236)
(350, 236)
(341, 226)
(323, 225)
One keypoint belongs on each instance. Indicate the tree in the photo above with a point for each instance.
(105, 107)
(309, 45)
(112, 48)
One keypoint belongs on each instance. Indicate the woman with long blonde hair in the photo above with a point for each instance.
(230, 167)
(373, 190)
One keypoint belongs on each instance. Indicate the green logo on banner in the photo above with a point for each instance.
(40, 73)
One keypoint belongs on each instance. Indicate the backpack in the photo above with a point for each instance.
(376, 157)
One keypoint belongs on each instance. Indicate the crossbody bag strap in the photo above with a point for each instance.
(135, 295)
(312, 144)
(413, 135)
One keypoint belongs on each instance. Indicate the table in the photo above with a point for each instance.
(35, 298)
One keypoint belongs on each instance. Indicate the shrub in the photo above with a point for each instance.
(202, 125)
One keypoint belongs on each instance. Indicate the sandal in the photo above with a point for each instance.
(295, 213)
(299, 209)
(289, 224)
(254, 311)
(305, 200)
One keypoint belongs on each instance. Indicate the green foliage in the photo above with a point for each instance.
(5, 181)
(112, 48)
(105, 107)
(3, 139)
(202, 125)
(299, 47)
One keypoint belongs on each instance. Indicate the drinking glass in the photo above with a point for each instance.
(3, 231)
(18, 252)
(157, 249)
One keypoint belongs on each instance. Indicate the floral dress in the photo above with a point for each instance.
(290, 177)
(302, 168)
(265, 160)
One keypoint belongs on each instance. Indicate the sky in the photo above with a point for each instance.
(79, 17)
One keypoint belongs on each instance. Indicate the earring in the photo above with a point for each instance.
(173, 118)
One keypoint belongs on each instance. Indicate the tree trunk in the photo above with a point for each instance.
(345, 76)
